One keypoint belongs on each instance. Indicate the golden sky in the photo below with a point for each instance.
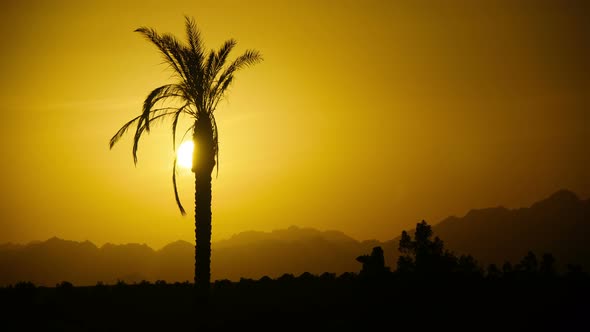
(365, 117)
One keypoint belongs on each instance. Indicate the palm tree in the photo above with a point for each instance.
(201, 82)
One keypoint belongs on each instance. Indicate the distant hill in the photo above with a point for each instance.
(559, 224)
(293, 250)
(249, 255)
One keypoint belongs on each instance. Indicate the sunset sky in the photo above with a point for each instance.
(365, 116)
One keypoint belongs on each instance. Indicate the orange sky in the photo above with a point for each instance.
(365, 117)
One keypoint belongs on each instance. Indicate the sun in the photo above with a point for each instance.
(184, 154)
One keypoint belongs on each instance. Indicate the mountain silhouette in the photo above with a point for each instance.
(245, 255)
(559, 224)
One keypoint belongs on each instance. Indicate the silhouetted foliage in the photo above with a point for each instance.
(576, 272)
(493, 272)
(246, 281)
(64, 285)
(507, 268)
(467, 266)
(347, 276)
(265, 279)
(328, 276)
(547, 266)
(426, 256)
(286, 277)
(306, 276)
(374, 264)
(25, 285)
(528, 264)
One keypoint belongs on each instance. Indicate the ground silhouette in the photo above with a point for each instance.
(430, 288)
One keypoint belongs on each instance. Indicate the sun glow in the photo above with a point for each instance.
(184, 154)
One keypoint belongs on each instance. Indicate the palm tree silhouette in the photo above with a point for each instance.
(201, 82)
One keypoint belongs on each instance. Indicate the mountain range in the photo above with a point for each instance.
(559, 224)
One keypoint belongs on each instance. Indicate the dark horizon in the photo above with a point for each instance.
(430, 287)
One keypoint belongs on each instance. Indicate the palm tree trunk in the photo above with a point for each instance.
(203, 163)
(203, 232)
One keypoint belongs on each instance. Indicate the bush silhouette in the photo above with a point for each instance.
(547, 266)
(374, 264)
(423, 254)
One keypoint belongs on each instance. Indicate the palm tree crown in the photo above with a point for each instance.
(201, 81)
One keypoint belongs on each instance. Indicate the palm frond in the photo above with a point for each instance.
(178, 203)
(186, 132)
(194, 36)
(139, 131)
(153, 36)
(223, 52)
(220, 91)
(176, 197)
(195, 56)
(249, 58)
(158, 94)
(220, 57)
(127, 125)
(121, 132)
(179, 53)
(218, 63)
(215, 144)
(207, 78)
(175, 124)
